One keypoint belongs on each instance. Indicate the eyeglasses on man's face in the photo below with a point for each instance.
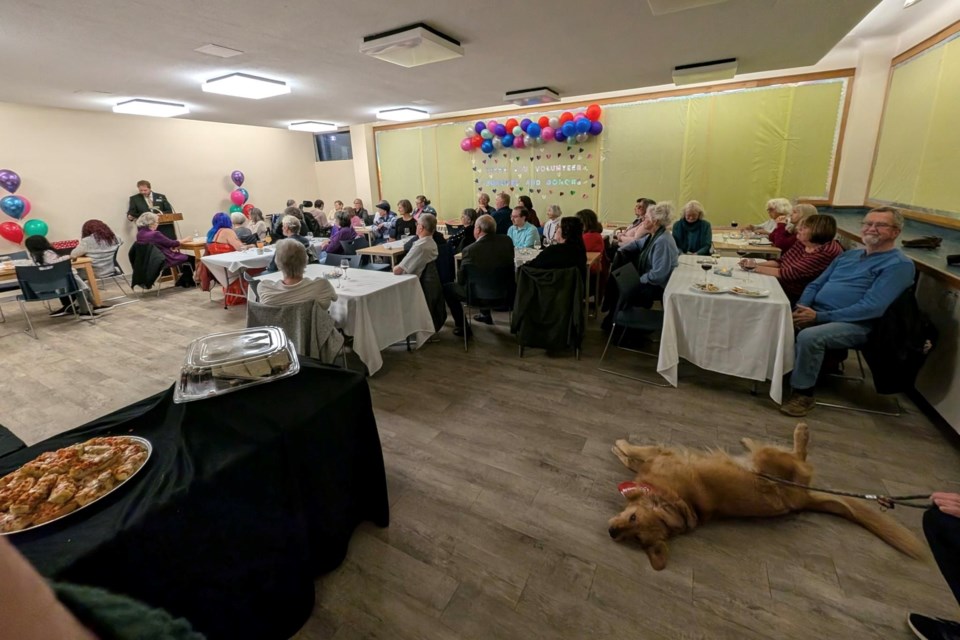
(866, 224)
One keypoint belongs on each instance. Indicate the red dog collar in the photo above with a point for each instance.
(628, 488)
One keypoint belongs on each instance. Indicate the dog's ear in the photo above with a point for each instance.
(657, 553)
(678, 516)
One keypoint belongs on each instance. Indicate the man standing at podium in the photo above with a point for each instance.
(147, 200)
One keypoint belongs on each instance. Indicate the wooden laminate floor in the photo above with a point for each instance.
(501, 483)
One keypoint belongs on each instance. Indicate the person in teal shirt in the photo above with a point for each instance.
(692, 233)
(523, 234)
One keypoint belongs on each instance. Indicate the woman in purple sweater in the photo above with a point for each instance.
(147, 233)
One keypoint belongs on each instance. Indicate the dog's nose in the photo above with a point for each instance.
(613, 531)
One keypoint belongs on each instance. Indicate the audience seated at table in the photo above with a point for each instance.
(291, 229)
(632, 232)
(566, 250)
(654, 254)
(531, 212)
(244, 234)
(257, 224)
(424, 249)
(483, 205)
(291, 258)
(837, 310)
(785, 233)
(803, 262)
(692, 233)
(405, 225)
(464, 238)
(277, 231)
(776, 208)
(355, 220)
(491, 253)
(342, 232)
(41, 253)
(337, 206)
(221, 238)
(502, 215)
(523, 234)
(383, 223)
(553, 223)
(594, 242)
(361, 212)
(99, 243)
(147, 233)
(422, 206)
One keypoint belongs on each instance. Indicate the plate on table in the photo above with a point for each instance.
(750, 293)
(763, 242)
(711, 288)
(57, 483)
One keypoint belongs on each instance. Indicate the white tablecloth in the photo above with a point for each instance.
(745, 337)
(377, 308)
(232, 262)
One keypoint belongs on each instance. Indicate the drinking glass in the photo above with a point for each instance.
(344, 265)
(536, 243)
(706, 272)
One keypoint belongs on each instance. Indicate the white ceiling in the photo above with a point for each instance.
(64, 53)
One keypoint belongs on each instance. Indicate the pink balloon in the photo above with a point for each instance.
(26, 207)
(547, 133)
(518, 142)
(491, 125)
(237, 197)
(466, 144)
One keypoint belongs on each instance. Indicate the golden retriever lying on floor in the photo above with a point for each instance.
(677, 490)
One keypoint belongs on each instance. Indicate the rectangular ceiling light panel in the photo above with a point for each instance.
(312, 126)
(156, 108)
(403, 114)
(244, 85)
(411, 46)
(712, 71)
(532, 97)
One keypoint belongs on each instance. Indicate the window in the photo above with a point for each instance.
(334, 146)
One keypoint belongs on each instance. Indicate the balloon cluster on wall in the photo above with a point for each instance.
(492, 135)
(17, 207)
(239, 196)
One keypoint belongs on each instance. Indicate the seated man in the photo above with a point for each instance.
(837, 309)
(424, 250)
(502, 215)
(291, 229)
(291, 258)
(383, 223)
(491, 252)
(523, 234)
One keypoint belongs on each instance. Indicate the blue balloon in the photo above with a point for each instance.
(480, 126)
(569, 129)
(595, 128)
(533, 130)
(583, 125)
(13, 206)
(525, 123)
(500, 130)
(487, 146)
(508, 140)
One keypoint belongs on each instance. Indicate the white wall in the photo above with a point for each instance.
(335, 181)
(77, 165)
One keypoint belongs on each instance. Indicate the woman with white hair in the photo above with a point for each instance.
(291, 258)
(244, 234)
(147, 233)
(692, 233)
(775, 208)
(785, 234)
(654, 254)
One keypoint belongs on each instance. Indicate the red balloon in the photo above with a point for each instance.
(566, 116)
(246, 209)
(544, 122)
(512, 124)
(476, 141)
(593, 112)
(11, 231)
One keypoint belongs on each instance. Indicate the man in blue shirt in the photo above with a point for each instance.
(502, 215)
(523, 234)
(837, 310)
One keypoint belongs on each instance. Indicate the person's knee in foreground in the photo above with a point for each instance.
(941, 526)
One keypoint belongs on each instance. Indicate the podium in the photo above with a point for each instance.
(168, 224)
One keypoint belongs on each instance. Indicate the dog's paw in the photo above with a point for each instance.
(622, 445)
(748, 444)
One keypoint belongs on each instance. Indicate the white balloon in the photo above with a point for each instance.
(496, 143)
(470, 131)
(528, 141)
(554, 123)
(581, 137)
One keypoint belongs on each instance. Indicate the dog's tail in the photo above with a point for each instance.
(871, 519)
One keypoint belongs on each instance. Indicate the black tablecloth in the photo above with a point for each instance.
(246, 499)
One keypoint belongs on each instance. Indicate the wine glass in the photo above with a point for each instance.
(749, 266)
(344, 265)
(706, 272)
(536, 243)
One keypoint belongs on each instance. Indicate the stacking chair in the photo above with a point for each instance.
(548, 311)
(487, 290)
(120, 279)
(12, 285)
(150, 255)
(49, 282)
(252, 284)
(333, 260)
(630, 317)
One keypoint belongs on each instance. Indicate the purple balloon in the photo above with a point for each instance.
(499, 130)
(559, 136)
(9, 180)
(595, 128)
(480, 126)
(525, 123)
(237, 177)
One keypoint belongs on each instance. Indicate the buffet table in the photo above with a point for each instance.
(247, 498)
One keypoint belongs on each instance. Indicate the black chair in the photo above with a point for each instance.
(360, 242)
(548, 311)
(487, 289)
(149, 265)
(333, 260)
(12, 285)
(49, 282)
(454, 229)
(630, 317)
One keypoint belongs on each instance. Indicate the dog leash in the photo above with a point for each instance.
(885, 502)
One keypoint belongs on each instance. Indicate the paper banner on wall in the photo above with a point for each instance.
(565, 175)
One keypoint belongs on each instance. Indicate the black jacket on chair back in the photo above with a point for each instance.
(548, 312)
(894, 349)
(148, 263)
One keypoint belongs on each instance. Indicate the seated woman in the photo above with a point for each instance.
(240, 228)
(693, 234)
(423, 206)
(258, 226)
(221, 238)
(41, 252)
(356, 220)
(98, 242)
(460, 241)
(802, 263)
(531, 212)
(776, 208)
(785, 234)
(291, 259)
(147, 233)
(594, 242)
(553, 223)
(565, 250)
(342, 232)
(654, 254)
(405, 224)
